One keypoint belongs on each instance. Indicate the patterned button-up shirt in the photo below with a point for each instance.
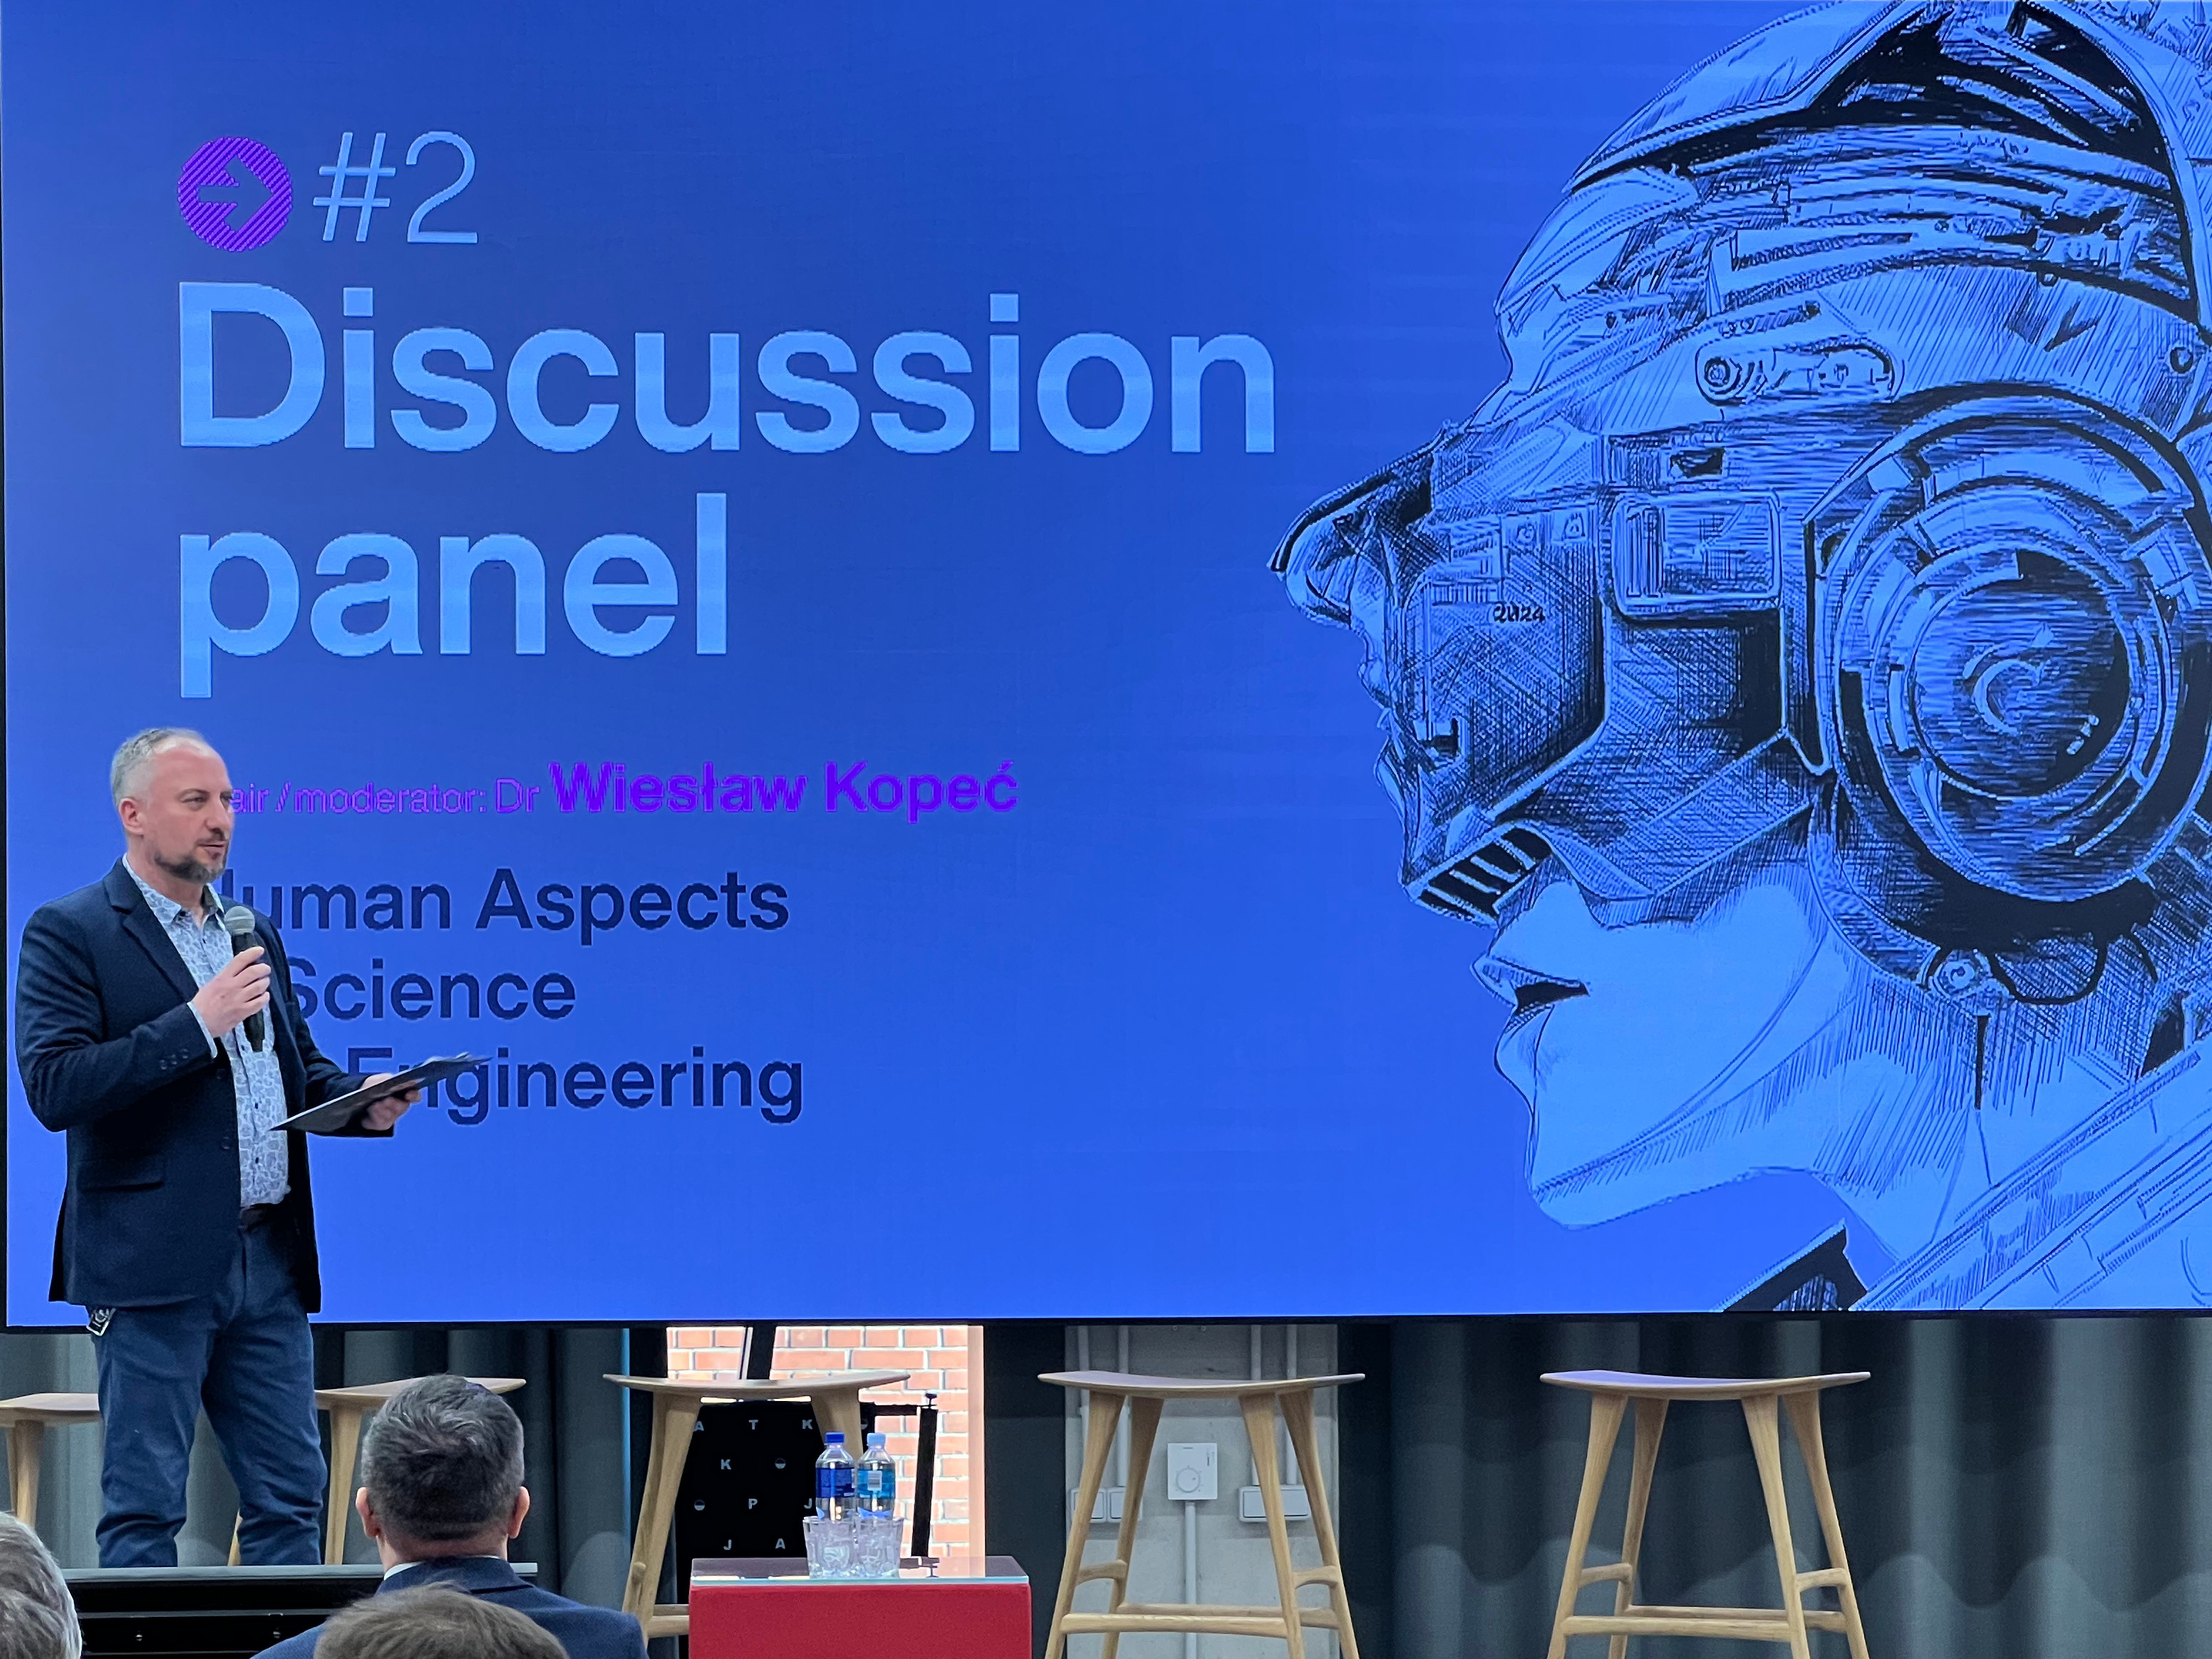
(263, 1158)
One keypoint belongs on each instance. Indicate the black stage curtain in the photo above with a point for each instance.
(2010, 1488)
(1026, 1484)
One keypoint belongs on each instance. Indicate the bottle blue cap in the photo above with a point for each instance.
(835, 1438)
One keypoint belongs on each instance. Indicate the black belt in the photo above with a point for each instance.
(256, 1215)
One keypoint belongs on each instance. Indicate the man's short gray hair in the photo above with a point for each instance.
(38, 1619)
(443, 1461)
(127, 775)
(434, 1622)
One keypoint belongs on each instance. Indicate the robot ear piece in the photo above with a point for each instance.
(2013, 646)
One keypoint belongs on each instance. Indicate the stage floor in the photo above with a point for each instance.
(213, 1612)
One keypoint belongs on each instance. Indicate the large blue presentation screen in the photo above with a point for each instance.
(819, 588)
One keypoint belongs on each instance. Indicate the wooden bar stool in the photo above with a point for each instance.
(27, 1418)
(1610, 1392)
(1258, 1398)
(350, 1408)
(836, 1396)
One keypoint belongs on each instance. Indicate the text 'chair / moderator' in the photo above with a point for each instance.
(1259, 1398)
(1762, 1400)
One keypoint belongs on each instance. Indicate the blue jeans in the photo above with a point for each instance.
(245, 1355)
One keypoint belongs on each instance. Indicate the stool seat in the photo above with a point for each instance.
(836, 1397)
(1127, 1384)
(1259, 1398)
(1763, 1400)
(51, 1409)
(27, 1418)
(1636, 1385)
(375, 1396)
(726, 1390)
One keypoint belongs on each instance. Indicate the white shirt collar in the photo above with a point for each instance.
(439, 1561)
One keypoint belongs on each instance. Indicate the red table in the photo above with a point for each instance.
(769, 1609)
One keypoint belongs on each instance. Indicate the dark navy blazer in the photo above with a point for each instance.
(112, 1053)
(586, 1632)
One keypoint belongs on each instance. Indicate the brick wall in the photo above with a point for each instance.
(937, 1355)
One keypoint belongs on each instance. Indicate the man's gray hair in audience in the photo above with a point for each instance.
(38, 1619)
(436, 1622)
(443, 1461)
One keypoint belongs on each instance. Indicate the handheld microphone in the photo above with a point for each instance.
(238, 922)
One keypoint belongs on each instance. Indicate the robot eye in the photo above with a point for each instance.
(1472, 888)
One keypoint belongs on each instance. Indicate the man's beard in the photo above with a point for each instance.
(189, 868)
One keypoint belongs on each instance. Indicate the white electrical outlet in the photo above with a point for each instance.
(1106, 1507)
(1297, 1506)
(1193, 1472)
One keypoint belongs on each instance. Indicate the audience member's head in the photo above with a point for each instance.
(435, 1623)
(441, 1472)
(38, 1619)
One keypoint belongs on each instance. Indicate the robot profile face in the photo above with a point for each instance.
(1842, 472)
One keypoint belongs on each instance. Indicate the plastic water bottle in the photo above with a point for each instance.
(876, 1489)
(833, 1480)
(876, 1482)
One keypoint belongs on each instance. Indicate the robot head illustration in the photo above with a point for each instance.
(1824, 599)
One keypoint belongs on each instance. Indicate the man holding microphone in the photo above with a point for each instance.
(187, 1229)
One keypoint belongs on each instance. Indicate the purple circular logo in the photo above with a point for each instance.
(234, 193)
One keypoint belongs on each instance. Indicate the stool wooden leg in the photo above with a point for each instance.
(1758, 1412)
(1805, 1422)
(26, 1445)
(345, 1448)
(1144, 1426)
(838, 1410)
(1650, 1419)
(1606, 1410)
(1103, 1418)
(1298, 1418)
(672, 1417)
(1260, 1425)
